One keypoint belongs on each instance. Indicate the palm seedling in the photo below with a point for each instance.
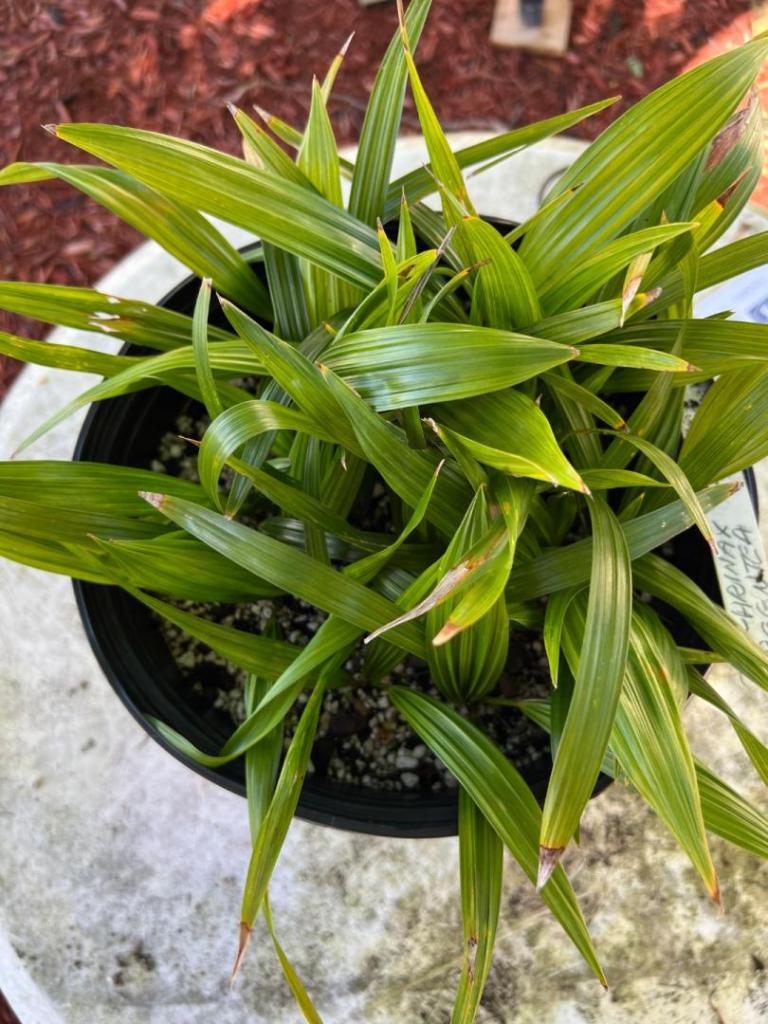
(519, 396)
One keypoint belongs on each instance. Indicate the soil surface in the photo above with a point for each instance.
(361, 738)
(172, 65)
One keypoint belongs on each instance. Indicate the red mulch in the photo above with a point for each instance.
(7, 1016)
(172, 65)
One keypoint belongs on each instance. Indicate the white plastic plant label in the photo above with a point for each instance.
(740, 558)
(740, 563)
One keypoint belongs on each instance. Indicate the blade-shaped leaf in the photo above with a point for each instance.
(634, 159)
(89, 310)
(509, 432)
(279, 211)
(180, 230)
(378, 135)
(500, 794)
(412, 364)
(480, 869)
(597, 689)
(289, 569)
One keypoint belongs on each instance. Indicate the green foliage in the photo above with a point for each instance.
(480, 382)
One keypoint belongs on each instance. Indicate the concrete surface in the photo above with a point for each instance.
(120, 870)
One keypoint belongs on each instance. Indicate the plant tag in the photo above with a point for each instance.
(740, 563)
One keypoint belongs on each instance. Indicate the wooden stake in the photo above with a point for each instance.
(550, 37)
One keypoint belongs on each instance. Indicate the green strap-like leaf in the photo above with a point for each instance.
(634, 159)
(205, 378)
(89, 310)
(571, 287)
(289, 569)
(756, 750)
(180, 230)
(569, 566)
(480, 870)
(281, 212)
(650, 744)
(277, 819)
(63, 357)
(502, 797)
(598, 678)
(730, 429)
(503, 294)
(729, 815)
(509, 432)
(378, 135)
(419, 183)
(412, 364)
(717, 628)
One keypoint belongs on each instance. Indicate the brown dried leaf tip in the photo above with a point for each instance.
(157, 500)
(549, 858)
(244, 937)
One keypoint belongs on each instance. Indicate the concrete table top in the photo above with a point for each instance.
(120, 869)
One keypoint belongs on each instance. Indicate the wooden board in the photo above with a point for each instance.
(508, 28)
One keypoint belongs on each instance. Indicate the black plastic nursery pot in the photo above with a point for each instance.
(128, 644)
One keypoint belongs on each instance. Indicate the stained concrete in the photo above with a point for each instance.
(120, 869)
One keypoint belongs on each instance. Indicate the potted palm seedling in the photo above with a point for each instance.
(390, 518)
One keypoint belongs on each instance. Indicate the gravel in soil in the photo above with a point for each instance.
(361, 739)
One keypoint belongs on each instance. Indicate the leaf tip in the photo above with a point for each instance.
(716, 895)
(549, 858)
(448, 632)
(244, 937)
(346, 45)
(52, 129)
(154, 499)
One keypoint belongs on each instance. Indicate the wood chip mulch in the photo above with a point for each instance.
(172, 65)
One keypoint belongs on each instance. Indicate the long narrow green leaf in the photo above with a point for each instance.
(181, 231)
(205, 378)
(755, 749)
(730, 429)
(501, 796)
(650, 744)
(480, 869)
(89, 310)
(411, 364)
(407, 471)
(570, 287)
(569, 566)
(634, 159)
(503, 294)
(714, 268)
(289, 569)
(375, 151)
(258, 654)
(281, 212)
(419, 183)
(597, 690)
(717, 628)
(509, 432)
(277, 820)
(63, 357)
(726, 812)
(729, 815)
